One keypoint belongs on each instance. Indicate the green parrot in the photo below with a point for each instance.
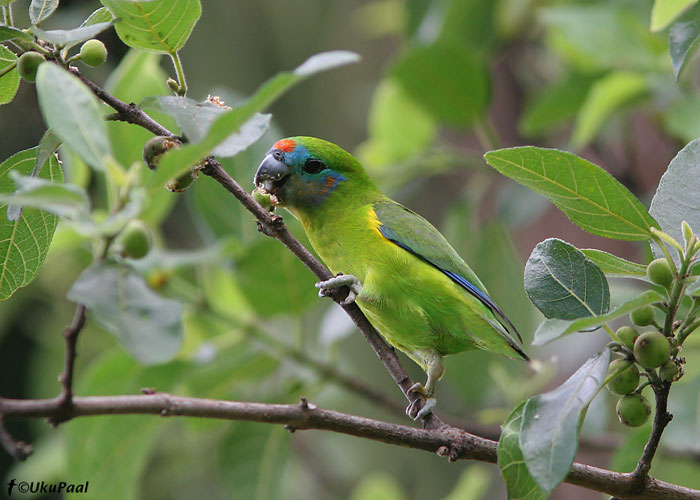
(403, 274)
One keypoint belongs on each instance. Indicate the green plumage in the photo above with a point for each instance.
(416, 290)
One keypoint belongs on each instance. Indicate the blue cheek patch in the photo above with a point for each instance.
(313, 191)
(297, 156)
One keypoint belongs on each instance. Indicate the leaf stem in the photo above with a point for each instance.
(7, 69)
(182, 83)
(10, 15)
(665, 251)
(611, 333)
(487, 135)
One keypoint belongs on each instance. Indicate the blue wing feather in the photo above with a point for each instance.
(414, 234)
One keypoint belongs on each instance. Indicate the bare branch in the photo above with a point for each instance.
(436, 436)
(17, 449)
(454, 443)
(661, 419)
(70, 334)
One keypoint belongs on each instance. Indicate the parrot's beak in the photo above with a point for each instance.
(272, 174)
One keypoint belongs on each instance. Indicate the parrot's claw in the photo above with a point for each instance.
(430, 402)
(354, 285)
(416, 414)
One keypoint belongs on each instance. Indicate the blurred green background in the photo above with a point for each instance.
(440, 83)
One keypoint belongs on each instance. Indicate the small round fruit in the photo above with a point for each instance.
(27, 65)
(263, 199)
(633, 410)
(668, 371)
(627, 335)
(93, 53)
(628, 378)
(135, 240)
(156, 147)
(659, 272)
(180, 184)
(644, 316)
(651, 350)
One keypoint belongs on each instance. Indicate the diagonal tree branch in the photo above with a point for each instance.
(453, 443)
(70, 334)
(273, 226)
(437, 436)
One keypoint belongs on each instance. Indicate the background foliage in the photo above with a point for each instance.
(439, 84)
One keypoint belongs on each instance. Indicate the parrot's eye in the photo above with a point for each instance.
(313, 166)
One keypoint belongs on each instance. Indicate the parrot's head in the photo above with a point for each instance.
(303, 172)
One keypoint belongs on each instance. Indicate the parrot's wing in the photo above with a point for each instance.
(416, 235)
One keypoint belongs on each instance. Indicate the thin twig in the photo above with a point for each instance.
(436, 436)
(19, 450)
(273, 226)
(454, 443)
(661, 419)
(70, 334)
(328, 372)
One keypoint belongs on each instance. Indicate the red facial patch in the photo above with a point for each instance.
(286, 145)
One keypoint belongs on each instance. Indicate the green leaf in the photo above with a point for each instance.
(47, 146)
(196, 118)
(563, 283)
(64, 200)
(447, 79)
(252, 456)
(73, 113)
(594, 36)
(676, 198)
(615, 266)
(518, 481)
(398, 127)
(113, 451)
(684, 405)
(101, 15)
(680, 119)
(159, 26)
(665, 11)
(471, 22)
(683, 39)
(552, 329)
(378, 486)
(24, 243)
(41, 9)
(551, 421)
(9, 82)
(473, 484)
(555, 106)
(68, 38)
(588, 195)
(178, 161)
(148, 325)
(273, 280)
(138, 75)
(607, 95)
(10, 33)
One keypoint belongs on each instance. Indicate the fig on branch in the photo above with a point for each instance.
(156, 147)
(627, 379)
(651, 350)
(134, 241)
(633, 410)
(627, 335)
(93, 53)
(27, 65)
(644, 316)
(659, 272)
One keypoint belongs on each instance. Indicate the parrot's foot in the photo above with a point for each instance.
(325, 287)
(430, 403)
